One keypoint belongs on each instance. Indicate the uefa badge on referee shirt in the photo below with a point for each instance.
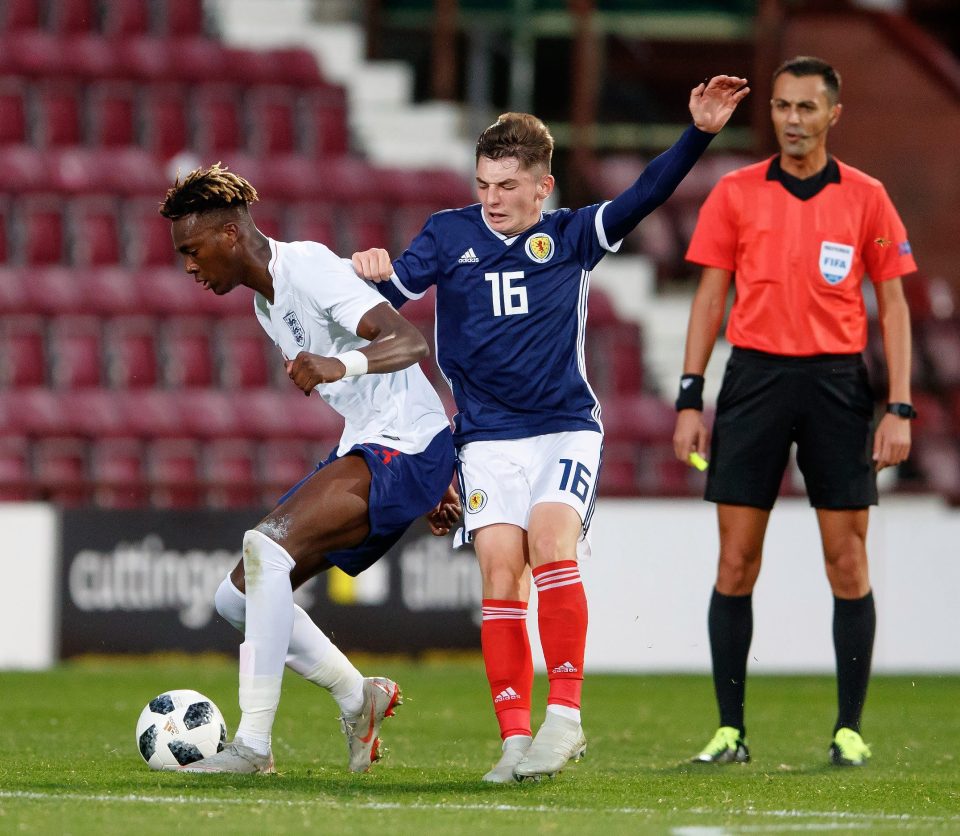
(540, 247)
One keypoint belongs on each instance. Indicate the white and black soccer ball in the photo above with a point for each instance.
(179, 727)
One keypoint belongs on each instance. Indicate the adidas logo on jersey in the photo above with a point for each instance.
(469, 257)
(566, 667)
(506, 694)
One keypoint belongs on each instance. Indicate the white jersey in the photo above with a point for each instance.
(318, 303)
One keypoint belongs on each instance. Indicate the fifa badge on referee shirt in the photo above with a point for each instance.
(835, 261)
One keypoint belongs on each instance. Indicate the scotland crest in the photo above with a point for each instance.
(540, 247)
(835, 261)
(295, 326)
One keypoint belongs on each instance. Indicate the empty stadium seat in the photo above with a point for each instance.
(173, 473)
(68, 16)
(278, 415)
(109, 291)
(94, 227)
(242, 353)
(41, 230)
(282, 465)
(208, 413)
(271, 120)
(183, 17)
(230, 471)
(313, 222)
(323, 122)
(123, 18)
(149, 413)
(187, 352)
(23, 349)
(58, 107)
(111, 113)
(60, 470)
(164, 126)
(93, 413)
(19, 14)
(117, 470)
(147, 235)
(16, 475)
(75, 352)
(13, 111)
(218, 118)
(54, 290)
(131, 352)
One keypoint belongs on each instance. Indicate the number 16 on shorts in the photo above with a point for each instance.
(503, 480)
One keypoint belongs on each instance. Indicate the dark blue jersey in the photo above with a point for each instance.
(511, 312)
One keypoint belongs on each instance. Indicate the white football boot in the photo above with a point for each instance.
(380, 697)
(235, 757)
(514, 748)
(558, 741)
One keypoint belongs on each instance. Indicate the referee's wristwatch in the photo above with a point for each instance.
(902, 410)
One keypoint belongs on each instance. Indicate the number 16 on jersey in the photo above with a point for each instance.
(507, 298)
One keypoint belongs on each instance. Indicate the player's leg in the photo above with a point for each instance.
(749, 451)
(833, 451)
(328, 512)
(844, 536)
(496, 504)
(563, 470)
(504, 642)
(730, 625)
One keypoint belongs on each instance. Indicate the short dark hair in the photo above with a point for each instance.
(205, 190)
(519, 135)
(803, 65)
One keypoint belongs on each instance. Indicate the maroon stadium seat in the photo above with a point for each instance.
(23, 349)
(269, 215)
(94, 231)
(131, 352)
(59, 113)
(245, 354)
(6, 246)
(642, 418)
(19, 14)
(270, 113)
(16, 477)
(313, 222)
(75, 352)
(187, 352)
(13, 111)
(230, 470)
(150, 413)
(183, 17)
(208, 413)
(147, 235)
(55, 290)
(109, 291)
(282, 465)
(93, 413)
(67, 16)
(163, 110)
(43, 229)
(117, 470)
(218, 115)
(173, 472)
(295, 66)
(60, 470)
(112, 113)
(123, 18)
(35, 411)
(272, 414)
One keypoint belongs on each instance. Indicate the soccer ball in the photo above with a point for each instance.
(179, 727)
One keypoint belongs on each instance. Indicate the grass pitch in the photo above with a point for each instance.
(69, 763)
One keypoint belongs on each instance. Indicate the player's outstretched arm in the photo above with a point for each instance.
(373, 265)
(394, 344)
(712, 102)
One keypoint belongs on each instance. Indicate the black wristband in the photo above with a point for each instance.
(691, 392)
(903, 410)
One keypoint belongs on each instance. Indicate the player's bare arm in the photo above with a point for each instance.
(373, 264)
(394, 344)
(706, 317)
(447, 513)
(713, 102)
(891, 441)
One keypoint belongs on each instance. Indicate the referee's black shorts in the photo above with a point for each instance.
(766, 403)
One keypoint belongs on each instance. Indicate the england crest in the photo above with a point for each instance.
(295, 326)
(835, 261)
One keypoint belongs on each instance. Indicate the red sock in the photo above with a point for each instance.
(506, 655)
(562, 616)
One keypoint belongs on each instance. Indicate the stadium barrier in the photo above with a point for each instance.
(96, 581)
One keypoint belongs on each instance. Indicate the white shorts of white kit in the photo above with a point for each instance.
(501, 481)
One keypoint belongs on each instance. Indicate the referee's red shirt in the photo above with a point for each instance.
(798, 264)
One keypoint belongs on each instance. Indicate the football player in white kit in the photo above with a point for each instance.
(394, 463)
(512, 283)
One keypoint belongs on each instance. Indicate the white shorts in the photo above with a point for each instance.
(501, 481)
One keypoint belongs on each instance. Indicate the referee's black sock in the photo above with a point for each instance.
(854, 626)
(730, 622)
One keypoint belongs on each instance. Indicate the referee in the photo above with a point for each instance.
(798, 232)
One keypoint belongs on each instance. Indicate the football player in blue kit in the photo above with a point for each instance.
(511, 307)
(394, 463)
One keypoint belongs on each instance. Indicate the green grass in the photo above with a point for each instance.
(68, 762)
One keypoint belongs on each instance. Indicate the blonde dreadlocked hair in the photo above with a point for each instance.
(205, 189)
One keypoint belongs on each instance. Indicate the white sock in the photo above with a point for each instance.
(311, 653)
(269, 623)
(564, 711)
